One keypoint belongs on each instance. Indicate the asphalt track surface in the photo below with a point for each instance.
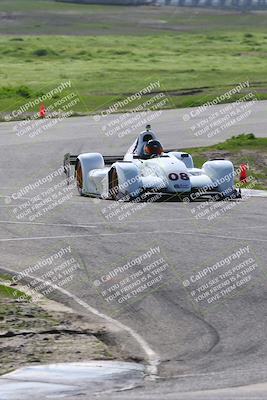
(197, 350)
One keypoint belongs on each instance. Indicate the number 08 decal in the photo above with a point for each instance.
(174, 177)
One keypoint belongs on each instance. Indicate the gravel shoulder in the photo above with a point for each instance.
(48, 332)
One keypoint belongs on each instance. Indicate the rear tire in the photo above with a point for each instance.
(79, 177)
(113, 185)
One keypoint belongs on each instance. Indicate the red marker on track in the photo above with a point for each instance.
(243, 178)
(42, 111)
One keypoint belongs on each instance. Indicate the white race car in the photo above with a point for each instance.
(146, 169)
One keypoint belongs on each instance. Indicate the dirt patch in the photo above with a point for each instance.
(31, 334)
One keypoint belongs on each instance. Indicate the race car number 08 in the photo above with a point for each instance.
(174, 177)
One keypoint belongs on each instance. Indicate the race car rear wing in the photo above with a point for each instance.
(71, 159)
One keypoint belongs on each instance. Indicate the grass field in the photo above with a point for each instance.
(111, 52)
(9, 292)
(245, 148)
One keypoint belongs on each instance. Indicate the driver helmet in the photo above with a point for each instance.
(153, 147)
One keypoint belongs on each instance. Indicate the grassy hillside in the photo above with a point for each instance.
(195, 54)
(108, 68)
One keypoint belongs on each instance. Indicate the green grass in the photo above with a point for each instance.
(244, 148)
(7, 292)
(109, 52)
(44, 6)
(244, 141)
(104, 69)
(236, 143)
(11, 293)
(4, 277)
